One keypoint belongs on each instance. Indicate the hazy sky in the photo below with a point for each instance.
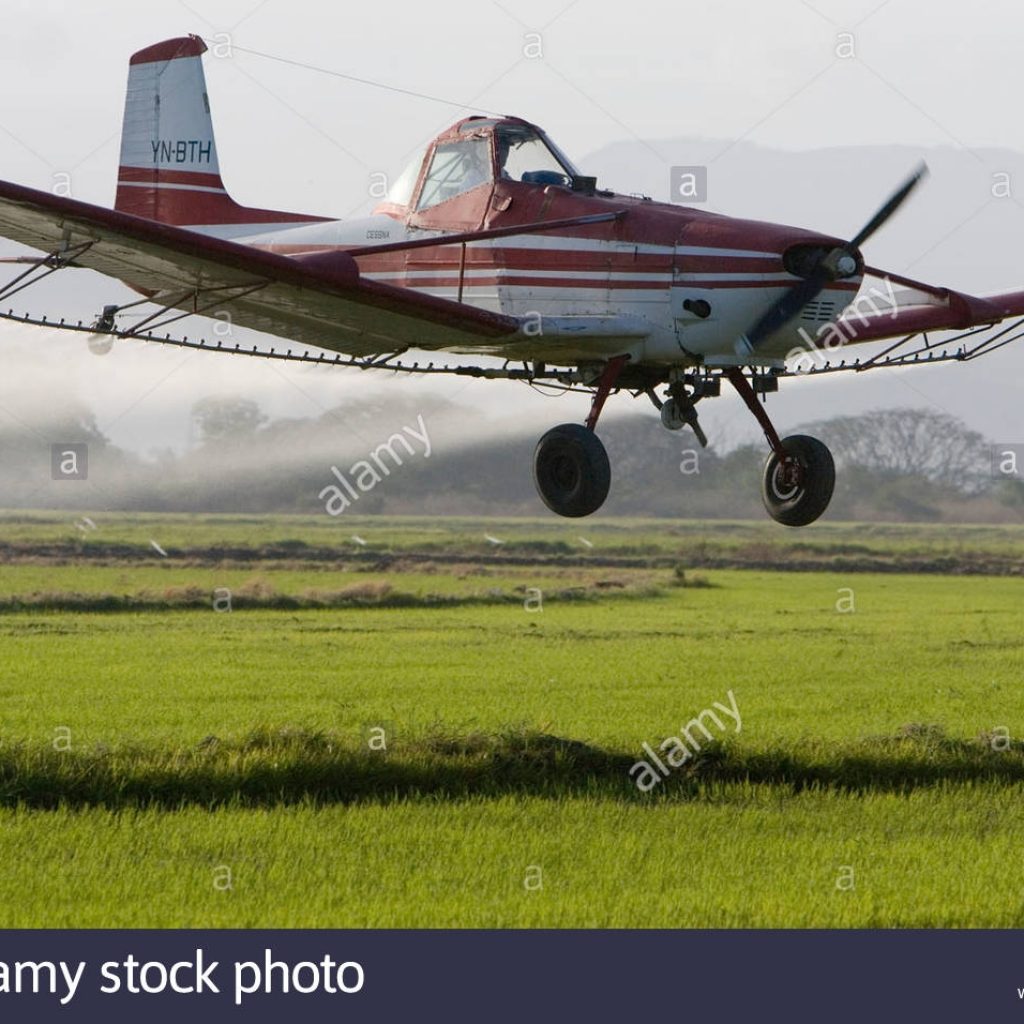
(923, 71)
(788, 74)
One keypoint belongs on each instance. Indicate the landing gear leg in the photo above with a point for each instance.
(604, 388)
(570, 465)
(799, 476)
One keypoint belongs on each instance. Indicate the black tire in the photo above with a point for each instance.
(797, 504)
(571, 470)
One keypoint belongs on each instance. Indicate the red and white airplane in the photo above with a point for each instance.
(492, 244)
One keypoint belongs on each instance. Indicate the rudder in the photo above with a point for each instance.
(169, 170)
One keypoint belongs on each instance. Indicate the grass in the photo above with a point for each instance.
(146, 757)
(270, 768)
(745, 856)
(224, 537)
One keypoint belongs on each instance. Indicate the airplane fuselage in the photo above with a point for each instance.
(692, 279)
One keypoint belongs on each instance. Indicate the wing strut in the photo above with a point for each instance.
(49, 264)
(223, 293)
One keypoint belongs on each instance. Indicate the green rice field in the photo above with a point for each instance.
(263, 722)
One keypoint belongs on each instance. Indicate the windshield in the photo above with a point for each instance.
(456, 167)
(523, 155)
(401, 189)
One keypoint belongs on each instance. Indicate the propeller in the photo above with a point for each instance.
(831, 265)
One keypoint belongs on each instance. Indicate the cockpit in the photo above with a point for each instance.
(524, 154)
(480, 151)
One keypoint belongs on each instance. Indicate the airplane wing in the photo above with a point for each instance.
(318, 300)
(880, 312)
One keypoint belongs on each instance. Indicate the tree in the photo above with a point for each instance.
(221, 420)
(909, 443)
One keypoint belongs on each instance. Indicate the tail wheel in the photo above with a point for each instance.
(571, 470)
(797, 489)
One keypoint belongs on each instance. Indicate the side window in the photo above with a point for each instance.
(522, 156)
(456, 168)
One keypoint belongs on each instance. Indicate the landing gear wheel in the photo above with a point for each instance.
(798, 489)
(571, 470)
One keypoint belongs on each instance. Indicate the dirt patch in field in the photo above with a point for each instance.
(764, 557)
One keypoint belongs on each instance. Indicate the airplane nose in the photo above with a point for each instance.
(830, 258)
(818, 264)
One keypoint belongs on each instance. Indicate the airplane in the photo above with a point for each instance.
(492, 243)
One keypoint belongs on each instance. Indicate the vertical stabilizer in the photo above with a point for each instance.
(169, 171)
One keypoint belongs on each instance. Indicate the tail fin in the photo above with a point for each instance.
(169, 170)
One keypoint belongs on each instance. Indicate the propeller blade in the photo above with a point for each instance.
(786, 307)
(791, 302)
(895, 202)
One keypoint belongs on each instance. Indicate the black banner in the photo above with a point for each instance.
(513, 976)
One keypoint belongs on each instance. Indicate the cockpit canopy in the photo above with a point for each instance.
(480, 151)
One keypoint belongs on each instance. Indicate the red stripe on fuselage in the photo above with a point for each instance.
(517, 258)
(511, 280)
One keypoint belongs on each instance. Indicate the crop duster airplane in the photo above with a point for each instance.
(493, 244)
